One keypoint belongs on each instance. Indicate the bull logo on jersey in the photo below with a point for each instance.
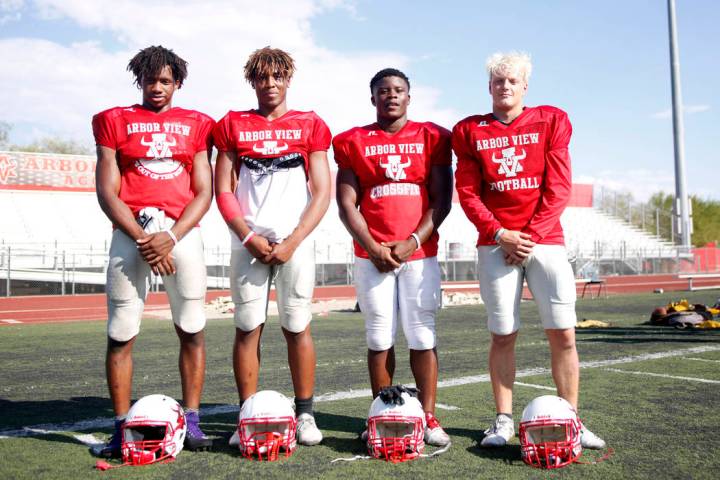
(270, 147)
(159, 146)
(509, 163)
(395, 167)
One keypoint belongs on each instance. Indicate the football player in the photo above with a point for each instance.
(273, 187)
(154, 183)
(394, 189)
(513, 179)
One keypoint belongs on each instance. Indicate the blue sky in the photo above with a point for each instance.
(606, 63)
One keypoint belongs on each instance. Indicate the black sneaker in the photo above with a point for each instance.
(195, 439)
(113, 448)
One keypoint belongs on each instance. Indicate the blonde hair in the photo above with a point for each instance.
(269, 60)
(504, 63)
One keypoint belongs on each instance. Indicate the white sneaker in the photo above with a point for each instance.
(434, 433)
(235, 439)
(589, 440)
(307, 432)
(501, 431)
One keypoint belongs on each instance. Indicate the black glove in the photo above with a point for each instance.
(393, 395)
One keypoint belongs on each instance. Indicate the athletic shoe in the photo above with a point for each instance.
(235, 439)
(589, 440)
(307, 432)
(501, 431)
(434, 433)
(113, 448)
(195, 439)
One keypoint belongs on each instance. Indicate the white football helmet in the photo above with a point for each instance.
(266, 425)
(396, 432)
(154, 431)
(550, 433)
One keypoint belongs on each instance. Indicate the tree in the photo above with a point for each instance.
(52, 144)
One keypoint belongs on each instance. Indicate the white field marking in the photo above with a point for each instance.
(662, 375)
(701, 359)
(88, 439)
(97, 423)
(11, 321)
(443, 406)
(532, 385)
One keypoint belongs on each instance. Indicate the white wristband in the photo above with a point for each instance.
(172, 235)
(248, 237)
(498, 234)
(417, 239)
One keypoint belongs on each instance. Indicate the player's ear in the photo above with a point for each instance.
(372, 100)
(409, 98)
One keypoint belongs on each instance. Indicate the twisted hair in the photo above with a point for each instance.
(150, 61)
(388, 72)
(266, 59)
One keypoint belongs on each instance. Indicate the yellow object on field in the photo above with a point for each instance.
(714, 311)
(586, 323)
(708, 324)
(681, 306)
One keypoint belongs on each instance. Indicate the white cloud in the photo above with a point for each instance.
(687, 109)
(10, 10)
(59, 87)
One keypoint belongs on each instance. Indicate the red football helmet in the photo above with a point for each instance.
(396, 431)
(154, 431)
(549, 433)
(266, 425)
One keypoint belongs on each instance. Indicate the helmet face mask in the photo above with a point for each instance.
(395, 438)
(154, 431)
(549, 433)
(396, 430)
(266, 426)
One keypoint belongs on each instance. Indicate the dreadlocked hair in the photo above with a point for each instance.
(388, 72)
(269, 60)
(149, 62)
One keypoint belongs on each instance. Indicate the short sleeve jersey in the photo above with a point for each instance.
(393, 172)
(515, 176)
(272, 163)
(155, 153)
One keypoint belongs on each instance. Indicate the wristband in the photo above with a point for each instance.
(248, 237)
(498, 234)
(172, 235)
(417, 239)
(228, 206)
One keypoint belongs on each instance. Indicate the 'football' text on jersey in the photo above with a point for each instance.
(393, 172)
(515, 176)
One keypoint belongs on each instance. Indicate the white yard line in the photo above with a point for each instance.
(11, 321)
(98, 423)
(443, 406)
(701, 359)
(539, 387)
(662, 375)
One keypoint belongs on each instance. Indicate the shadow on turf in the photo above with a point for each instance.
(645, 334)
(18, 414)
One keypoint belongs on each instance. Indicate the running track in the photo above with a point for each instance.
(72, 308)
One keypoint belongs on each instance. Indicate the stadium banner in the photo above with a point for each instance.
(47, 171)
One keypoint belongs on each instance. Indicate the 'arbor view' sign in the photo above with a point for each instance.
(47, 171)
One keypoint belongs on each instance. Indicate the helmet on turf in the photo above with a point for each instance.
(154, 431)
(266, 425)
(549, 433)
(396, 425)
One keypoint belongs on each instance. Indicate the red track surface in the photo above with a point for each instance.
(71, 308)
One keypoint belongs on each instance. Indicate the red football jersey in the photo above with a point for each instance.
(249, 134)
(515, 176)
(155, 153)
(272, 187)
(393, 172)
